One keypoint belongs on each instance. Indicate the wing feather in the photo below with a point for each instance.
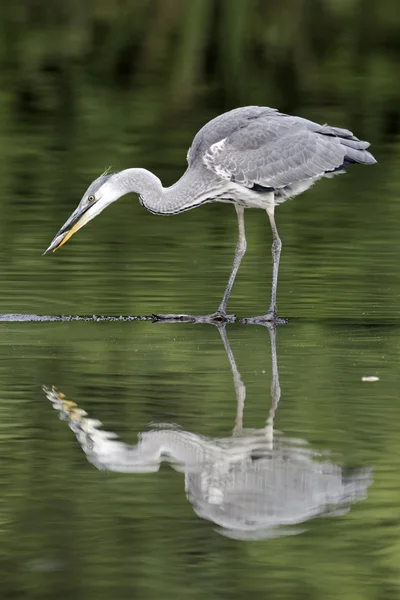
(278, 151)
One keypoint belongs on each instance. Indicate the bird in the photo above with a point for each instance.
(251, 157)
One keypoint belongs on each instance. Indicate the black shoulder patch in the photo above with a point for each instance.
(343, 166)
(261, 188)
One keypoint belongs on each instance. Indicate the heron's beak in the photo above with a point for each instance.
(78, 219)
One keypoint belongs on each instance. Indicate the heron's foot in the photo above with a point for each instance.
(271, 318)
(217, 318)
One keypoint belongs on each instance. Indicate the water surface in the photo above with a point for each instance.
(235, 466)
(139, 533)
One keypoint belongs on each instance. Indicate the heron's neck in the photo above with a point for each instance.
(188, 192)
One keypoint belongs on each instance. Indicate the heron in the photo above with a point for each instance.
(251, 157)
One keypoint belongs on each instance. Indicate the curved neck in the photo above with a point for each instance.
(140, 181)
(188, 192)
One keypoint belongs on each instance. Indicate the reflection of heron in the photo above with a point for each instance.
(254, 157)
(251, 484)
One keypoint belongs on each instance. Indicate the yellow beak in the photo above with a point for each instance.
(65, 233)
(66, 236)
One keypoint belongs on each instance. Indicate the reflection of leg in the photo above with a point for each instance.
(240, 388)
(239, 253)
(275, 387)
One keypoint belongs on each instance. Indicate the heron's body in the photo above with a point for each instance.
(254, 157)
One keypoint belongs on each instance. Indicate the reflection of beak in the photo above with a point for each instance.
(78, 219)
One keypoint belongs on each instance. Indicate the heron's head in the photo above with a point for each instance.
(96, 198)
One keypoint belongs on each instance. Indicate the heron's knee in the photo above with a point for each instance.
(241, 246)
(276, 246)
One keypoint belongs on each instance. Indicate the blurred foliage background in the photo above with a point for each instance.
(341, 56)
(86, 84)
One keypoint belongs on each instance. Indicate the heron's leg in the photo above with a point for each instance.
(220, 315)
(239, 253)
(276, 254)
(271, 316)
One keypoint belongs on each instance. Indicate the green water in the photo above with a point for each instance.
(68, 528)
(129, 86)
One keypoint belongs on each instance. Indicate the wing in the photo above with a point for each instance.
(222, 126)
(277, 150)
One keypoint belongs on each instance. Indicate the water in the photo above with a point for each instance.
(70, 529)
(139, 533)
(244, 464)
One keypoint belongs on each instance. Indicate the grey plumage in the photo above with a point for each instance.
(96, 184)
(265, 147)
(253, 157)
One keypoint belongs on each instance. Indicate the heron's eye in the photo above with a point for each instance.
(91, 198)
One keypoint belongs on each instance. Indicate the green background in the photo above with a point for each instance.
(88, 85)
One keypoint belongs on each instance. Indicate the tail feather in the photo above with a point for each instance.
(356, 143)
(355, 149)
(338, 131)
(354, 155)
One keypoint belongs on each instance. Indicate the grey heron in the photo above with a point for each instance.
(253, 157)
